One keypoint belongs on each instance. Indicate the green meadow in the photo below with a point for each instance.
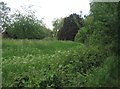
(53, 63)
(32, 58)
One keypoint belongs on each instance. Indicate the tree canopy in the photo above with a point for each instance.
(26, 27)
(70, 27)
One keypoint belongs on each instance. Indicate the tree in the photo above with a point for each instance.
(106, 24)
(70, 27)
(4, 10)
(101, 24)
(57, 24)
(24, 26)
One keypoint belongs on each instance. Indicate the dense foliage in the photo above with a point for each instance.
(101, 29)
(70, 27)
(26, 27)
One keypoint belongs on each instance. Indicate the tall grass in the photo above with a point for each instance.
(44, 63)
(32, 58)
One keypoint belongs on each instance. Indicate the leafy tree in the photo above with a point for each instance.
(70, 27)
(106, 25)
(101, 24)
(57, 24)
(4, 10)
(26, 27)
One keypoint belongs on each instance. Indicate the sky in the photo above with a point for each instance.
(50, 9)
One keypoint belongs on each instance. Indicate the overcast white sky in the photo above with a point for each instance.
(50, 9)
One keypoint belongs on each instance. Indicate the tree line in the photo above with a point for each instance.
(100, 26)
(22, 26)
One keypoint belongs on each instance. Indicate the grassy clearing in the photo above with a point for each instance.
(41, 63)
(34, 47)
(32, 58)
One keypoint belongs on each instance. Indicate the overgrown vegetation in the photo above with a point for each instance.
(101, 29)
(53, 64)
(89, 61)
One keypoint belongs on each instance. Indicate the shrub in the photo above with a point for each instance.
(79, 63)
(86, 58)
(81, 36)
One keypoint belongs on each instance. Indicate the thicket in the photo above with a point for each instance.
(101, 30)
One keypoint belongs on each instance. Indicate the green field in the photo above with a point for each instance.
(42, 63)
(32, 58)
